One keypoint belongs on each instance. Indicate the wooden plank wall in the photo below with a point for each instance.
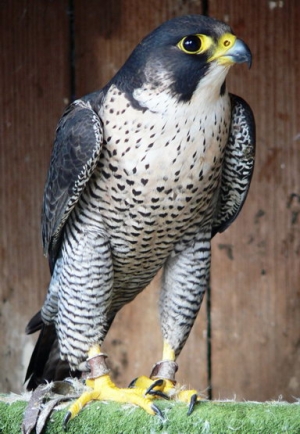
(34, 90)
(255, 288)
(255, 299)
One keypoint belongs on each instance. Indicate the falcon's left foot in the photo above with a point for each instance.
(162, 384)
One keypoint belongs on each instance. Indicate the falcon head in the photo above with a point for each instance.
(180, 54)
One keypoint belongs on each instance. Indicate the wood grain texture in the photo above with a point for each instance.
(34, 88)
(256, 263)
(106, 32)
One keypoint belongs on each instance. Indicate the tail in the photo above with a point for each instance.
(45, 364)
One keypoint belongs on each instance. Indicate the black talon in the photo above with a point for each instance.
(66, 420)
(158, 393)
(154, 384)
(152, 392)
(132, 383)
(158, 412)
(193, 401)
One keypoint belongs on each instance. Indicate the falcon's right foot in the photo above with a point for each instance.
(103, 389)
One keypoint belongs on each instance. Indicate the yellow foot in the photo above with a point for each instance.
(166, 389)
(105, 390)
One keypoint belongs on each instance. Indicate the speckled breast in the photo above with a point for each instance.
(157, 176)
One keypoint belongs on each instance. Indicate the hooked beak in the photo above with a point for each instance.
(238, 53)
(231, 50)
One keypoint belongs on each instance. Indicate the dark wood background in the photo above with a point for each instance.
(53, 50)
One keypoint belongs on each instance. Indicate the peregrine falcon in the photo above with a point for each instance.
(143, 174)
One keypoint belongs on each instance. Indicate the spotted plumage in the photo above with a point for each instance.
(143, 174)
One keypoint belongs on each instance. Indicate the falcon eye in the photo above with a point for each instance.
(191, 44)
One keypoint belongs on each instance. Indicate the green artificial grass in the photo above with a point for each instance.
(207, 418)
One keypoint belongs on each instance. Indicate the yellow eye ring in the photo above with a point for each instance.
(191, 44)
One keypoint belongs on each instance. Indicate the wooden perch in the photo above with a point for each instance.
(208, 417)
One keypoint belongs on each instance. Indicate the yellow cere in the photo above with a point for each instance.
(225, 43)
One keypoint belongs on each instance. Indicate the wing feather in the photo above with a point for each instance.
(76, 151)
(238, 165)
